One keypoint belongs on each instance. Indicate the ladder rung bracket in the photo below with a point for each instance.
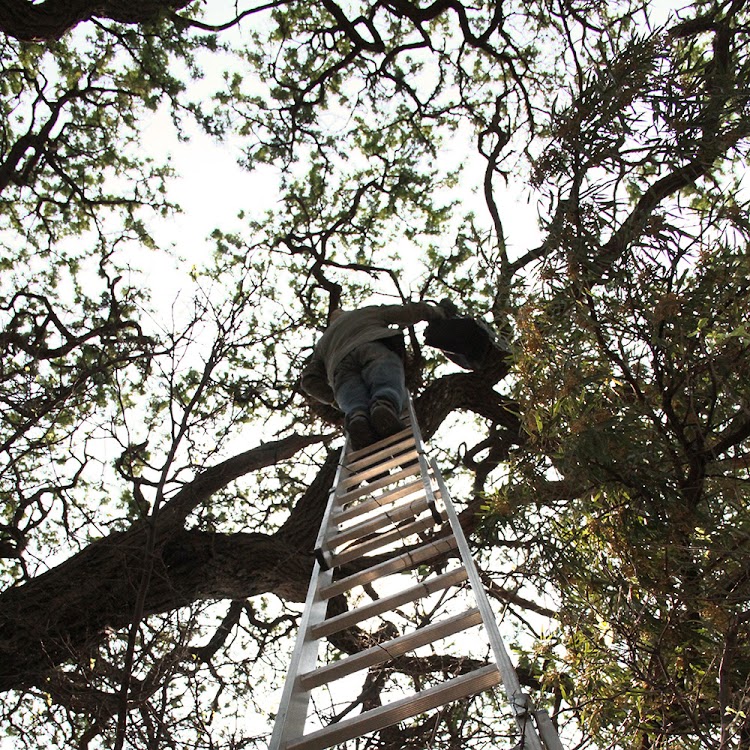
(411, 471)
(386, 604)
(385, 716)
(392, 649)
(407, 560)
(379, 445)
(401, 512)
(387, 452)
(365, 506)
(400, 533)
(437, 516)
(321, 558)
(399, 461)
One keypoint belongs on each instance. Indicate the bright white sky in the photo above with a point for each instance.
(212, 188)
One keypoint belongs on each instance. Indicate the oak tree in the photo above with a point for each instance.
(163, 476)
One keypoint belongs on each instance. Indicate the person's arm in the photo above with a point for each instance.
(411, 312)
(315, 382)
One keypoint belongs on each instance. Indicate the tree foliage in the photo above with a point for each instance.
(163, 477)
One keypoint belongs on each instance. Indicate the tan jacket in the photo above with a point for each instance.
(352, 329)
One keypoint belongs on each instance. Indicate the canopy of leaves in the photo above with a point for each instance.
(162, 476)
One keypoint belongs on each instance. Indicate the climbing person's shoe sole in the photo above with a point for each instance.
(385, 420)
(360, 431)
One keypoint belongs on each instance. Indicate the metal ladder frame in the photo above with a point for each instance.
(535, 727)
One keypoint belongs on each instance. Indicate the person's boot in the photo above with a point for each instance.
(385, 419)
(361, 433)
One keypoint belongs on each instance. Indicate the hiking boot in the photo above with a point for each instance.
(360, 431)
(385, 419)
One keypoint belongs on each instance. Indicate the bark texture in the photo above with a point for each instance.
(64, 613)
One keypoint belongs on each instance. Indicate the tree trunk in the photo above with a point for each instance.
(64, 613)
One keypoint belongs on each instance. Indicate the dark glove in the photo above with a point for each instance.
(450, 308)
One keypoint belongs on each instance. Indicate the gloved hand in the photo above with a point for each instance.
(450, 308)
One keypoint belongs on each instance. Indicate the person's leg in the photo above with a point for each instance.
(349, 389)
(353, 398)
(383, 374)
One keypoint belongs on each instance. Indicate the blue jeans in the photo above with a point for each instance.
(370, 372)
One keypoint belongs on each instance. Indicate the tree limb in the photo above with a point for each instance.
(51, 19)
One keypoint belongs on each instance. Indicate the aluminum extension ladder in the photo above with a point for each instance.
(391, 497)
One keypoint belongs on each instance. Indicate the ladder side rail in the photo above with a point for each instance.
(292, 713)
(333, 495)
(421, 454)
(547, 731)
(517, 698)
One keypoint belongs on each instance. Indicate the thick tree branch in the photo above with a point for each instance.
(469, 391)
(51, 19)
(64, 613)
(736, 433)
(53, 618)
(217, 477)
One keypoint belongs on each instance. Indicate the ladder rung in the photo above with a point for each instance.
(403, 460)
(385, 716)
(393, 515)
(357, 509)
(388, 603)
(404, 561)
(381, 540)
(389, 451)
(356, 455)
(392, 649)
(410, 471)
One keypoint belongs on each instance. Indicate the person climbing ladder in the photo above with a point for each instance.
(358, 365)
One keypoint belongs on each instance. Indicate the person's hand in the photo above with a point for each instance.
(449, 308)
